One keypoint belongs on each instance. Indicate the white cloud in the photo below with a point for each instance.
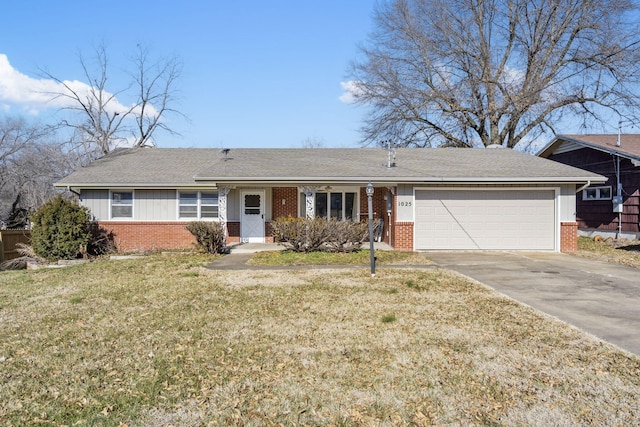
(352, 90)
(34, 95)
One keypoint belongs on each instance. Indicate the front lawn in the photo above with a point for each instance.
(163, 341)
(290, 258)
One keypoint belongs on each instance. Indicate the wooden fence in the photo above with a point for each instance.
(8, 241)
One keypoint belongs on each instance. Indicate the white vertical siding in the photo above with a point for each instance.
(233, 205)
(268, 207)
(97, 201)
(155, 205)
(567, 203)
(404, 203)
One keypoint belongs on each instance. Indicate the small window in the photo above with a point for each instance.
(188, 205)
(209, 205)
(321, 205)
(122, 204)
(198, 205)
(596, 193)
(252, 204)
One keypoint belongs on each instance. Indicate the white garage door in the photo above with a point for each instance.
(501, 219)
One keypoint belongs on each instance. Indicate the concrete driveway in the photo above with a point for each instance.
(598, 297)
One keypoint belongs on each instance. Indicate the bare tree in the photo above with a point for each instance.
(102, 120)
(100, 117)
(155, 82)
(30, 161)
(480, 72)
(313, 142)
(15, 135)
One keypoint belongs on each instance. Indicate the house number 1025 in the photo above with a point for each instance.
(404, 204)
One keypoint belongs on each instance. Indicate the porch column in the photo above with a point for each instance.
(222, 209)
(309, 198)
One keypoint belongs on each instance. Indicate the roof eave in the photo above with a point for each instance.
(403, 180)
(560, 138)
(159, 186)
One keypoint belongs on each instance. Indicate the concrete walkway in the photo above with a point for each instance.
(598, 297)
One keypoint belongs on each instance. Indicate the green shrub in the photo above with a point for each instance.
(319, 234)
(209, 235)
(60, 229)
(388, 318)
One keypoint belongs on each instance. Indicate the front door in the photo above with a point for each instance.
(252, 217)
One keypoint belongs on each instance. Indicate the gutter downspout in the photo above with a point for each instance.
(69, 189)
(584, 186)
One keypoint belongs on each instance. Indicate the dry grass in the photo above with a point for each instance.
(162, 341)
(290, 258)
(623, 252)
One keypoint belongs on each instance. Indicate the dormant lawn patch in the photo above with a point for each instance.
(164, 341)
(625, 252)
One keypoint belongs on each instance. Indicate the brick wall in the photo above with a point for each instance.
(568, 236)
(403, 236)
(285, 202)
(233, 232)
(379, 205)
(268, 233)
(139, 236)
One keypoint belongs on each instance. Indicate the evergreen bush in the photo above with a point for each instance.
(60, 229)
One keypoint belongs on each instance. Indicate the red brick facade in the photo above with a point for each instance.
(568, 237)
(379, 205)
(140, 236)
(233, 232)
(285, 203)
(403, 236)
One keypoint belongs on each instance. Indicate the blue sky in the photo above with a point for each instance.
(255, 73)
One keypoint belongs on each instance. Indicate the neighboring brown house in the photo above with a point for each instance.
(610, 209)
(430, 199)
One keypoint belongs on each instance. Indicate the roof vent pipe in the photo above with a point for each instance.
(619, 130)
(391, 154)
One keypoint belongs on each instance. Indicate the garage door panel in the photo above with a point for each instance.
(485, 219)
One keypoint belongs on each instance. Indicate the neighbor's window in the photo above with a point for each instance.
(198, 205)
(122, 204)
(596, 193)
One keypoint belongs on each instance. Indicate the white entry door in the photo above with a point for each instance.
(252, 217)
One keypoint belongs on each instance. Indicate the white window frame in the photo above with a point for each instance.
(111, 204)
(598, 193)
(328, 192)
(198, 205)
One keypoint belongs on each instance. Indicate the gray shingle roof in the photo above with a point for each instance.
(199, 166)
